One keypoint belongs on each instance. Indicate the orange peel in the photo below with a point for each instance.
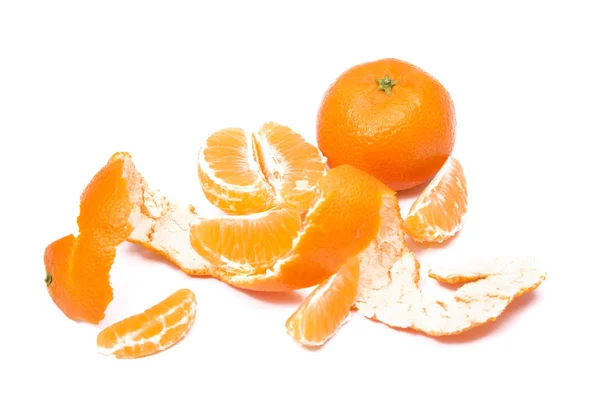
(388, 290)
(116, 206)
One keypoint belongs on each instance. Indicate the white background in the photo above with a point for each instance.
(82, 80)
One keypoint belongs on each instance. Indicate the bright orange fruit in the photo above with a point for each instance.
(439, 212)
(244, 173)
(156, 329)
(342, 222)
(390, 119)
(326, 309)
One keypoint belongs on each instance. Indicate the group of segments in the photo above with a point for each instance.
(288, 222)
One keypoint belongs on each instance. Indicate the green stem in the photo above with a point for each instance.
(48, 279)
(386, 84)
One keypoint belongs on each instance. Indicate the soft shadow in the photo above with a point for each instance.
(140, 251)
(450, 286)
(273, 297)
(413, 192)
(420, 248)
(505, 319)
(313, 349)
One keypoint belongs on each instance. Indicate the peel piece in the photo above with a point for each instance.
(388, 289)
(117, 205)
(155, 330)
(327, 308)
(342, 222)
(439, 212)
(163, 227)
(245, 173)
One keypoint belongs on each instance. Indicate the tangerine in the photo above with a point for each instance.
(389, 118)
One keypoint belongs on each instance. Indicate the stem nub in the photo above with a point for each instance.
(48, 279)
(386, 84)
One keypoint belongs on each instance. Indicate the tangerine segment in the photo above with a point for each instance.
(439, 212)
(244, 173)
(326, 309)
(291, 164)
(231, 175)
(117, 205)
(341, 223)
(156, 329)
(388, 289)
(246, 244)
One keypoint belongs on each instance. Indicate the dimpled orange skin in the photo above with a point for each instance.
(78, 268)
(402, 138)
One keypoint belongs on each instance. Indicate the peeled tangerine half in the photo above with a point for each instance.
(276, 251)
(388, 289)
(246, 173)
(156, 329)
(116, 206)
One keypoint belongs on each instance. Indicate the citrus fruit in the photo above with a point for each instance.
(156, 329)
(390, 119)
(439, 211)
(116, 206)
(326, 309)
(388, 289)
(244, 173)
(341, 223)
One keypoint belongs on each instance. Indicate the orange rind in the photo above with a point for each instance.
(388, 290)
(116, 206)
(156, 329)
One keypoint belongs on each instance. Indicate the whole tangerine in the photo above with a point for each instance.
(389, 118)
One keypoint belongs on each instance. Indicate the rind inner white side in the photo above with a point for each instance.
(389, 292)
(162, 225)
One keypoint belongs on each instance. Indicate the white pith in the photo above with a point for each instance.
(389, 292)
(161, 225)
